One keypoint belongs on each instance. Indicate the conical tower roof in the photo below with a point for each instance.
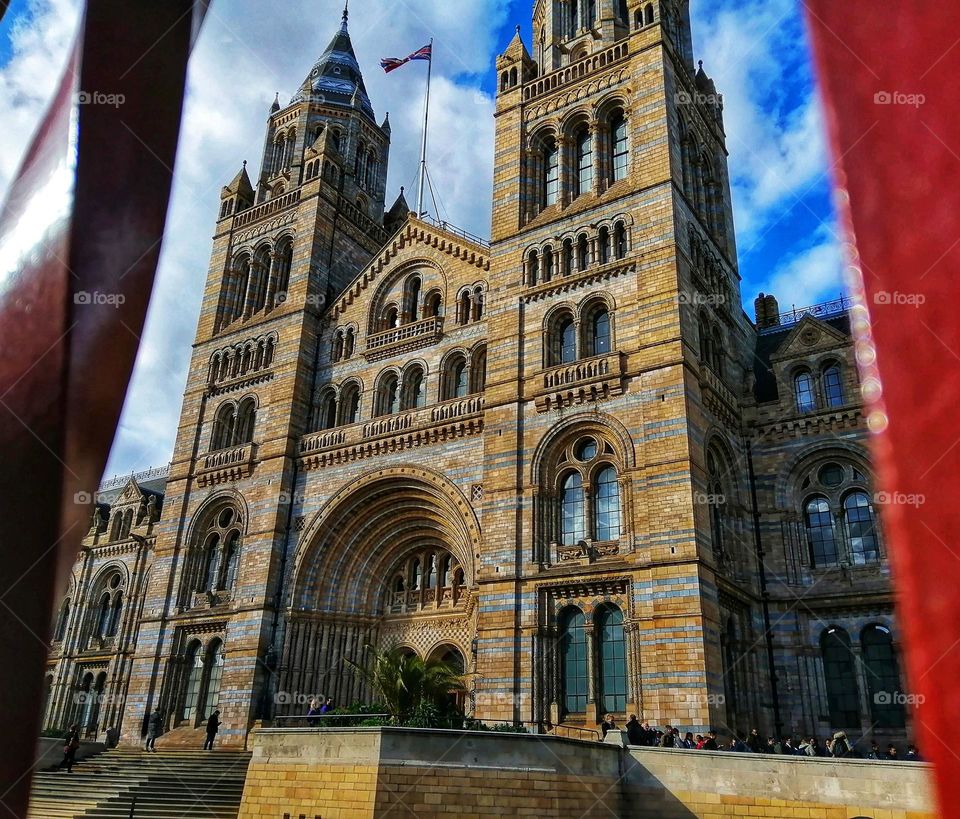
(336, 76)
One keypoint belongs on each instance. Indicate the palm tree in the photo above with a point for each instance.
(408, 686)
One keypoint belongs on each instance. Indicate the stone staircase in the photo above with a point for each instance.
(128, 783)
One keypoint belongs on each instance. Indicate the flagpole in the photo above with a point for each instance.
(423, 144)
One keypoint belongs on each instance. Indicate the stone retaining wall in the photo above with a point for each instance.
(376, 772)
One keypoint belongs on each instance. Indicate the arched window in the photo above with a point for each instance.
(611, 660)
(820, 535)
(62, 619)
(194, 667)
(350, 404)
(223, 427)
(703, 330)
(211, 556)
(833, 386)
(882, 670)
(603, 246)
(546, 266)
(232, 554)
(804, 392)
(562, 341)
(619, 240)
(573, 660)
(388, 398)
(337, 352)
(214, 674)
(463, 307)
(412, 299)
(858, 516)
(327, 411)
(598, 331)
(217, 553)
(583, 143)
(649, 14)
(414, 389)
(551, 173)
(416, 575)
(839, 671)
(390, 318)
(566, 258)
(456, 384)
(349, 342)
(619, 151)
(246, 421)
(478, 370)
(583, 253)
(718, 352)
(116, 611)
(433, 304)
(284, 263)
(104, 616)
(717, 471)
(572, 510)
(606, 505)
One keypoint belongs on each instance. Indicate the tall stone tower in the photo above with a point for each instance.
(282, 249)
(616, 538)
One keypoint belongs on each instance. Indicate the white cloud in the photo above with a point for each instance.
(40, 44)
(246, 52)
(811, 274)
(751, 48)
(250, 49)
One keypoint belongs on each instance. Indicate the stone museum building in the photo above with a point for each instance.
(564, 460)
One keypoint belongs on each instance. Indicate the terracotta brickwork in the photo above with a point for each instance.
(565, 460)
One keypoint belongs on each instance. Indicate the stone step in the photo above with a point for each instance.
(166, 784)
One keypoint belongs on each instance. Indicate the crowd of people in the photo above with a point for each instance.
(838, 746)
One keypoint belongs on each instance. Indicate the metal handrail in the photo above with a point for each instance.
(331, 720)
(456, 231)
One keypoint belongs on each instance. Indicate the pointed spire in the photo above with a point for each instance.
(276, 104)
(346, 14)
(385, 125)
(240, 184)
(397, 214)
(336, 76)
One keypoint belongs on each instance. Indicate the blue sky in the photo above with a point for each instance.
(755, 50)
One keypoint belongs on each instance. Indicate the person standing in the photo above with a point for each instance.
(213, 725)
(635, 733)
(607, 725)
(71, 742)
(710, 743)
(755, 742)
(153, 729)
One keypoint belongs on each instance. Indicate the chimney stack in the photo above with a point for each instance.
(767, 311)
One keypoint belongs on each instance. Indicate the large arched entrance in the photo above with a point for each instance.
(390, 561)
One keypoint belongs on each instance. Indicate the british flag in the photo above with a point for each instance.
(391, 63)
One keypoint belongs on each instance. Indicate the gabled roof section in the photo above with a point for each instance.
(414, 231)
(809, 335)
(774, 343)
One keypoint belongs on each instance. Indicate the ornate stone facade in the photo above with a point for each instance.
(566, 460)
